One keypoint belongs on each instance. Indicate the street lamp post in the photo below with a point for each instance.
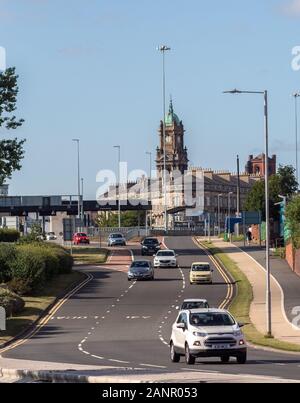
(296, 95)
(219, 214)
(77, 141)
(82, 208)
(119, 190)
(229, 213)
(267, 202)
(149, 189)
(163, 49)
(238, 210)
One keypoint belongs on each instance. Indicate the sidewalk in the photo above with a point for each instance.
(282, 328)
(288, 280)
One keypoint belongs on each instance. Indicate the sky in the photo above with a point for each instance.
(90, 69)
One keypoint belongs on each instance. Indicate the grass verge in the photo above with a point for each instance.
(240, 307)
(90, 256)
(36, 305)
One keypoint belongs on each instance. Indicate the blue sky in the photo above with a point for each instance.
(90, 70)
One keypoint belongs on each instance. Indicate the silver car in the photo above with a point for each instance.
(116, 240)
(141, 270)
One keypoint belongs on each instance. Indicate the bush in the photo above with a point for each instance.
(11, 302)
(7, 255)
(32, 265)
(9, 235)
(28, 270)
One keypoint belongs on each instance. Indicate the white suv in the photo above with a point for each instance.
(165, 258)
(207, 333)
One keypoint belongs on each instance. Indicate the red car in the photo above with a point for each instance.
(80, 238)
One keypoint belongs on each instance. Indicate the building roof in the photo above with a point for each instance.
(171, 117)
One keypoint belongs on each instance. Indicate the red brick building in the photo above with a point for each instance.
(257, 166)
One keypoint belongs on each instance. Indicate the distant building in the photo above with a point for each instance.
(219, 188)
(4, 190)
(257, 166)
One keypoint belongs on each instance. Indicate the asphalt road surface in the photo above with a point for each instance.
(117, 323)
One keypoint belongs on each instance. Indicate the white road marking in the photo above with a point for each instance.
(152, 366)
(119, 361)
(96, 356)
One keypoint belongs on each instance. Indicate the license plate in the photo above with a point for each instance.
(221, 347)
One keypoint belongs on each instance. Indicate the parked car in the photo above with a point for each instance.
(50, 236)
(201, 273)
(80, 238)
(194, 304)
(207, 333)
(165, 258)
(141, 270)
(116, 240)
(150, 246)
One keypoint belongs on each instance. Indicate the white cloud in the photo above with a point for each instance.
(292, 8)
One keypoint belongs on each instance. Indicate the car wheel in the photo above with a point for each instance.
(189, 359)
(225, 359)
(174, 356)
(242, 358)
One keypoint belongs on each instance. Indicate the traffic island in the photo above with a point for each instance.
(248, 299)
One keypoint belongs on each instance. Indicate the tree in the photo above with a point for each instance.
(284, 183)
(11, 151)
(288, 180)
(128, 219)
(293, 220)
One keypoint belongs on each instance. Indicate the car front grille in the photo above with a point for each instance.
(165, 261)
(213, 341)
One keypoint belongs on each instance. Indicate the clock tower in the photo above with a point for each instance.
(176, 152)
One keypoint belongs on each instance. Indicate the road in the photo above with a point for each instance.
(113, 322)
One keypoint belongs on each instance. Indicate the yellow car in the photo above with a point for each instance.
(201, 273)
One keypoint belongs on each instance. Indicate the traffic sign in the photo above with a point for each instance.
(251, 218)
(2, 319)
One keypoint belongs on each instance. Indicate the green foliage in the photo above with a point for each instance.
(128, 219)
(28, 267)
(11, 151)
(35, 235)
(11, 302)
(293, 220)
(9, 235)
(284, 183)
(7, 255)
(288, 180)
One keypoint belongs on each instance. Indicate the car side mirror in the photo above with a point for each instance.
(241, 325)
(181, 326)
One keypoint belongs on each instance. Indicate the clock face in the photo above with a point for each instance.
(168, 139)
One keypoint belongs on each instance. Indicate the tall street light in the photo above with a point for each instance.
(150, 188)
(163, 49)
(118, 148)
(296, 95)
(77, 141)
(219, 214)
(267, 202)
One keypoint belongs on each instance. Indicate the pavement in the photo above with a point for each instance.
(111, 327)
(281, 271)
(283, 329)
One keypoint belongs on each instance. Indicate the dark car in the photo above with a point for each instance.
(150, 246)
(142, 270)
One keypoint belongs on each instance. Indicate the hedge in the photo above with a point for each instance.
(9, 235)
(7, 256)
(28, 267)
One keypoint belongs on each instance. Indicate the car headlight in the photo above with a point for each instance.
(200, 334)
(238, 333)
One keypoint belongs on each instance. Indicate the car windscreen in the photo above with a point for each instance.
(140, 264)
(81, 234)
(166, 254)
(194, 305)
(211, 319)
(201, 268)
(151, 242)
(116, 236)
